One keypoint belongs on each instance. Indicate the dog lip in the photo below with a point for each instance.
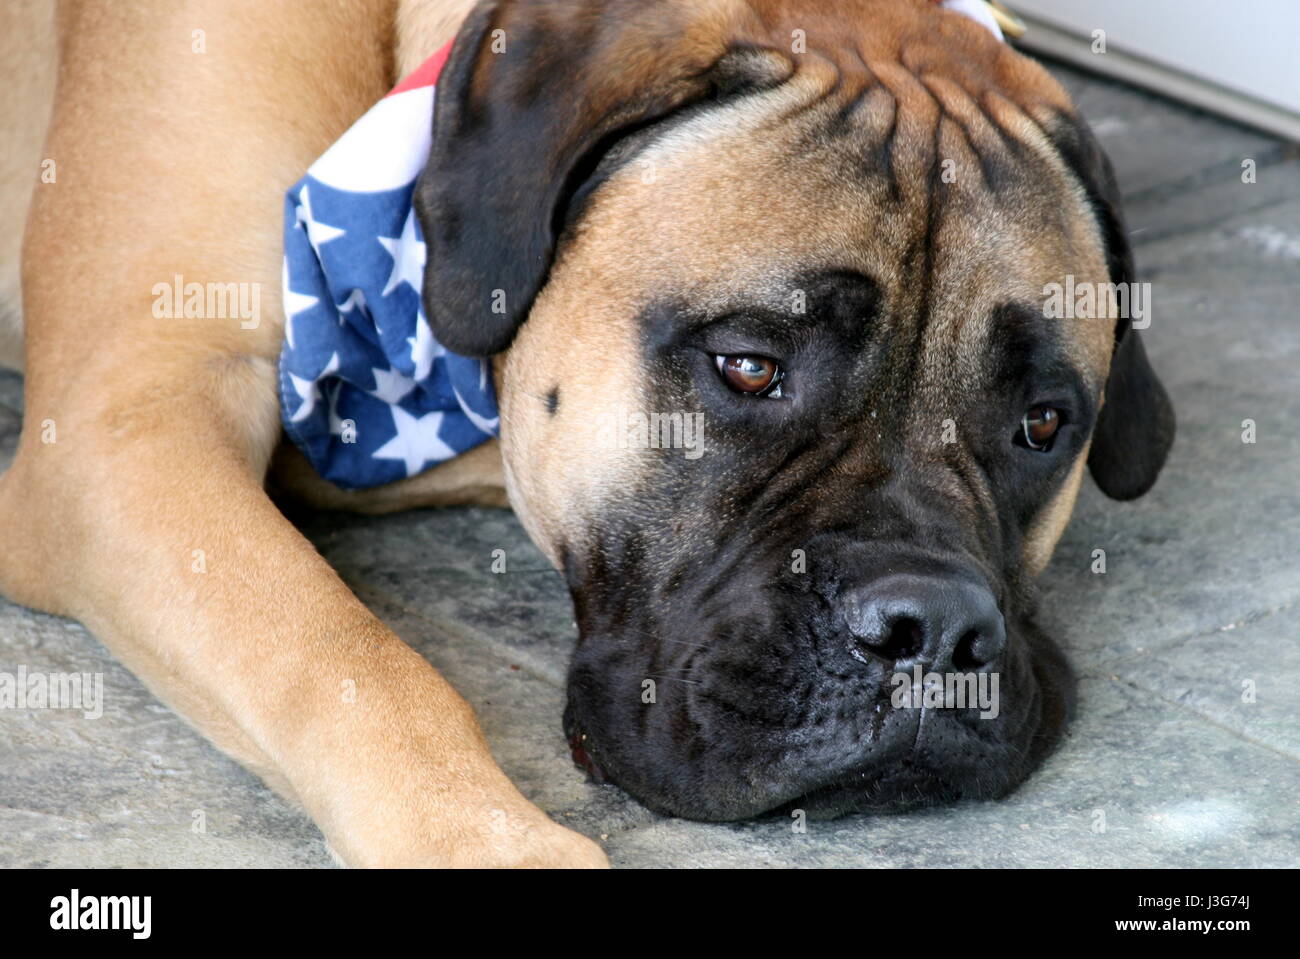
(582, 757)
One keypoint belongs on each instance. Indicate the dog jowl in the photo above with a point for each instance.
(834, 253)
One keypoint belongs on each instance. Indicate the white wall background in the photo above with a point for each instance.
(1247, 46)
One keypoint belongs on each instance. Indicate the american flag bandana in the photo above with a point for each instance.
(366, 392)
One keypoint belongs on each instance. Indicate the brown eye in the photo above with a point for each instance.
(755, 375)
(1039, 427)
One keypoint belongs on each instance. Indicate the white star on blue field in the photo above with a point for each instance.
(366, 391)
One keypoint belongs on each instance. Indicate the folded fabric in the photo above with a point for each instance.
(366, 392)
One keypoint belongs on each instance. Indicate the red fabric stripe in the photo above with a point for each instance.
(426, 74)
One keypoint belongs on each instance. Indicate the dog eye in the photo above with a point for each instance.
(753, 375)
(1039, 426)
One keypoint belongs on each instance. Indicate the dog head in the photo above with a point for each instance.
(779, 395)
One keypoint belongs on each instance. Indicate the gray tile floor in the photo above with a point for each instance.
(1198, 603)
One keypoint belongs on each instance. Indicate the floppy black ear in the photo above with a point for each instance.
(1135, 428)
(533, 94)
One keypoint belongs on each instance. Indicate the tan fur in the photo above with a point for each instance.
(175, 162)
(1052, 520)
(27, 48)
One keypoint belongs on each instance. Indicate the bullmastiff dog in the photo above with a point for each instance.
(838, 258)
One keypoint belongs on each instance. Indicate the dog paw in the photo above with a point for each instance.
(475, 838)
(564, 850)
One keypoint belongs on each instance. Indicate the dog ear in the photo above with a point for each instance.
(534, 93)
(1135, 428)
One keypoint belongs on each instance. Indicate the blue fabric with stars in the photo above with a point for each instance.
(365, 391)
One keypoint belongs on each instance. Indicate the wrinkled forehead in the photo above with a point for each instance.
(933, 192)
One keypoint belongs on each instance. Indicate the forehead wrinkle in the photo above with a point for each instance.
(820, 204)
(917, 116)
(980, 140)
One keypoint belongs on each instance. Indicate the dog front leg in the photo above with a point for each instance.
(135, 502)
(168, 550)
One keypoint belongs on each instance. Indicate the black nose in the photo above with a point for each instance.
(945, 623)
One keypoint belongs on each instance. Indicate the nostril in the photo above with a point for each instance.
(981, 645)
(968, 655)
(904, 640)
(901, 638)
